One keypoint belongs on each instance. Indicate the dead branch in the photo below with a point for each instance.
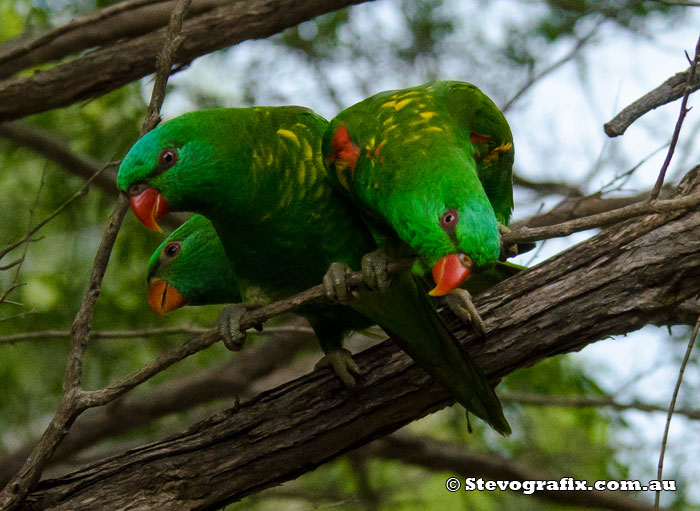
(627, 276)
(108, 68)
(671, 90)
(125, 19)
(591, 401)
(679, 123)
(73, 402)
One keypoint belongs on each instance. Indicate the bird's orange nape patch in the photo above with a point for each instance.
(479, 138)
(344, 150)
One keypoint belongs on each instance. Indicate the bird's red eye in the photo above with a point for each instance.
(449, 218)
(167, 158)
(171, 249)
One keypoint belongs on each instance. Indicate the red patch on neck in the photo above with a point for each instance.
(478, 138)
(343, 148)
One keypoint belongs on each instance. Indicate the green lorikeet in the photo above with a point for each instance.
(430, 167)
(190, 268)
(258, 175)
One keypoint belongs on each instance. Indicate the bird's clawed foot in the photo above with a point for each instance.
(230, 326)
(374, 270)
(344, 366)
(506, 250)
(335, 282)
(460, 302)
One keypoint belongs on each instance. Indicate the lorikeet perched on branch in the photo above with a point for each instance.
(431, 169)
(258, 175)
(190, 268)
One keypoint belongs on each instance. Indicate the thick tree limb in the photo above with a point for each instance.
(123, 20)
(458, 461)
(671, 90)
(626, 277)
(106, 69)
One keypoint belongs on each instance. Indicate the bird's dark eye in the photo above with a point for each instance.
(171, 249)
(167, 158)
(449, 218)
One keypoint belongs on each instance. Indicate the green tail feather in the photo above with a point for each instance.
(407, 312)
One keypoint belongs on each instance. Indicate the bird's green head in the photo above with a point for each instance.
(190, 268)
(429, 193)
(180, 165)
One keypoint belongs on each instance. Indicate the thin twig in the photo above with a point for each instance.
(554, 66)
(672, 406)
(525, 234)
(73, 400)
(15, 280)
(71, 404)
(164, 63)
(53, 215)
(677, 130)
(590, 401)
(43, 335)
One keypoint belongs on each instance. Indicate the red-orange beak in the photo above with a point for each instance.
(149, 206)
(449, 272)
(164, 298)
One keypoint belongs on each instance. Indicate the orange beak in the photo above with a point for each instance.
(164, 298)
(449, 272)
(149, 206)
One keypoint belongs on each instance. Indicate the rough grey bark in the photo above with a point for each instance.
(111, 67)
(628, 276)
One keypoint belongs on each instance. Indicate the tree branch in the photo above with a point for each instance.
(671, 90)
(106, 69)
(104, 176)
(679, 123)
(627, 276)
(130, 412)
(591, 401)
(73, 401)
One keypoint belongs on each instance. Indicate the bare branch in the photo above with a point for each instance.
(125, 19)
(547, 187)
(672, 406)
(590, 401)
(108, 68)
(72, 401)
(526, 234)
(18, 266)
(227, 380)
(677, 130)
(53, 215)
(104, 176)
(43, 335)
(580, 43)
(671, 90)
